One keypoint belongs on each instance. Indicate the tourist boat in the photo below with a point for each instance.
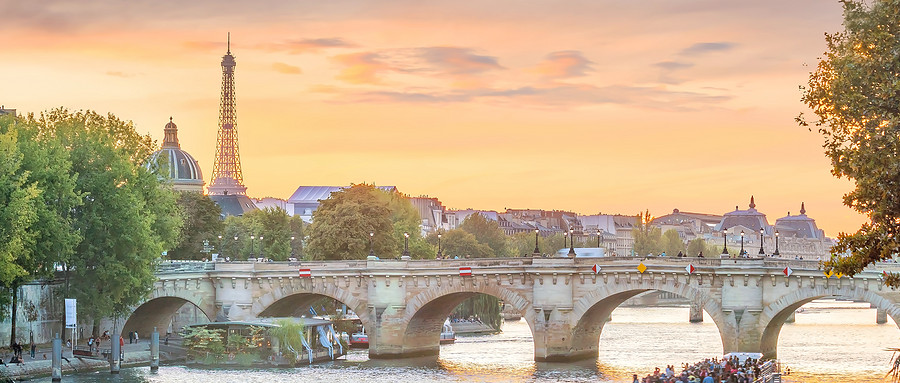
(447, 334)
(359, 339)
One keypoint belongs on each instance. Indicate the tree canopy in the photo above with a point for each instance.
(202, 222)
(342, 225)
(487, 232)
(854, 93)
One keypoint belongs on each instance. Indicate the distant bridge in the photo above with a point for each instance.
(403, 304)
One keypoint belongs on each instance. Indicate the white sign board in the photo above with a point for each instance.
(71, 313)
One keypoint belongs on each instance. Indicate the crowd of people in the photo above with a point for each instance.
(726, 370)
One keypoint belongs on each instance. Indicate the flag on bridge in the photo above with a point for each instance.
(787, 271)
(305, 273)
(596, 269)
(465, 271)
(690, 268)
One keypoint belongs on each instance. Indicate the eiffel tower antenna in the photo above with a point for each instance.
(227, 177)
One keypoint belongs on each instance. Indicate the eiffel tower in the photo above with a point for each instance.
(226, 176)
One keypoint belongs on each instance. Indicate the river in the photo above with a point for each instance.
(831, 342)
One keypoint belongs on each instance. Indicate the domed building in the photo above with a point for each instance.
(799, 226)
(183, 169)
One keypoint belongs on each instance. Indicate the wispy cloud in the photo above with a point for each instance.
(307, 45)
(559, 96)
(563, 64)
(668, 73)
(362, 68)
(286, 68)
(456, 60)
(703, 48)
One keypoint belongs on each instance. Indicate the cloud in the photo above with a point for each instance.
(307, 45)
(703, 48)
(362, 68)
(563, 64)
(119, 74)
(457, 61)
(286, 68)
(565, 95)
(669, 71)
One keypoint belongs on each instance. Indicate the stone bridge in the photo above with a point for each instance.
(403, 304)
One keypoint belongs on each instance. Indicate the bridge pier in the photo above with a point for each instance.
(696, 315)
(880, 316)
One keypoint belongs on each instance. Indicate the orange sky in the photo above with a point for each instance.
(595, 106)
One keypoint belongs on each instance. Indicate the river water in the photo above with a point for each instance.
(831, 342)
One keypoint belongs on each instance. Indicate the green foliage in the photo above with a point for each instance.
(458, 243)
(297, 227)
(698, 245)
(202, 222)
(202, 342)
(37, 196)
(487, 232)
(647, 239)
(289, 333)
(274, 225)
(853, 93)
(672, 243)
(342, 224)
(127, 217)
(485, 307)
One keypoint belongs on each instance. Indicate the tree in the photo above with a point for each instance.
(647, 238)
(672, 243)
(202, 222)
(342, 223)
(698, 245)
(406, 220)
(297, 233)
(459, 243)
(486, 232)
(854, 94)
(272, 229)
(127, 216)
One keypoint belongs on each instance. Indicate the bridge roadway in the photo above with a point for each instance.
(403, 304)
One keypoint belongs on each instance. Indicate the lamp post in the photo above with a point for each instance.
(371, 248)
(262, 247)
(571, 243)
(293, 255)
(252, 242)
(565, 238)
(725, 240)
(742, 244)
(776, 253)
(235, 247)
(598, 238)
(440, 249)
(220, 244)
(537, 250)
(406, 244)
(761, 233)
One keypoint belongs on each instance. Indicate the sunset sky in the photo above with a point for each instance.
(591, 106)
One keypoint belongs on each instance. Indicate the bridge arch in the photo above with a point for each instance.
(774, 315)
(590, 313)
(425, 312)
(157, 312)
(286, 302)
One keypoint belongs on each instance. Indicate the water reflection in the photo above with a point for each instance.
(828, 344)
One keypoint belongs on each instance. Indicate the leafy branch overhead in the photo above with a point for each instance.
(854, 93)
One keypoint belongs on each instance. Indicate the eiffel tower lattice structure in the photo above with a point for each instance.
(226, 176)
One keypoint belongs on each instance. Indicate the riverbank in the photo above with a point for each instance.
(135, 355)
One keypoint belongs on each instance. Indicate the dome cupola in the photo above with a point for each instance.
(183, 169)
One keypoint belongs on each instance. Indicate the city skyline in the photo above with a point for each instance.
(506, 105)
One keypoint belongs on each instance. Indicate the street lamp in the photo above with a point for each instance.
(406, 244)
(761, 233)
(725, 240)
(537, 250)
(235, 247)
(440, 250)
(571, 243)
(776, 253)
(262, 247)
(252, 242)
(220, 244)
(293, 255)
(598, 238)
(742, 244)
(371, 248)
(565, 238)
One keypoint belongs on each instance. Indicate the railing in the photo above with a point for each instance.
(770, 372)
(184, 267)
